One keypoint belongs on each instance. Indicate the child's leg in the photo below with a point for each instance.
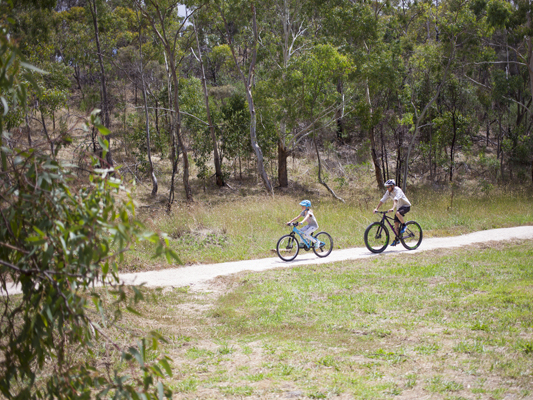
(307, 231)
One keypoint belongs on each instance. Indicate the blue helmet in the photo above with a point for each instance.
(305, 203)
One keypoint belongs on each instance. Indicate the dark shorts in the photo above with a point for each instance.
(402, 210)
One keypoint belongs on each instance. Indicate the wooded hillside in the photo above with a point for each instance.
(406, 85)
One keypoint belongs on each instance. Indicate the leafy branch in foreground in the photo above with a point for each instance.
(58, 241)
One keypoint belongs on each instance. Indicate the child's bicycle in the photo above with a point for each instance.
(288, 245)
(377, 234)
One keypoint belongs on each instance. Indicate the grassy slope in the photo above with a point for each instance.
(442, 325)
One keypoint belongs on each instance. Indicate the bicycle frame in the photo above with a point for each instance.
(388, 220)
(299, 232)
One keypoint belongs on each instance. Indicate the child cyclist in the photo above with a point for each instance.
(402, 205)
(309, 217)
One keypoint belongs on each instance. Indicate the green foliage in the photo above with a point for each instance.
(136, 126)
(58, 242)
(195, 121)
(498, 13)
(235, 127)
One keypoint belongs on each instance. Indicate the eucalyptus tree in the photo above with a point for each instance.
(74, 43)
(146, 112)
(513, 43)
(93, 7)
(219, 177)
(234, 126)
(432, 62)
(168, 26)
(362, 31)
(231, 13)
(455, 122)
(284, 37)
(307, 97)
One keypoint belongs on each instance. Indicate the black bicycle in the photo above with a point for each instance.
(377, 234)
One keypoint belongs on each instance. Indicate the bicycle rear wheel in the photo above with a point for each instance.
(412, 237)
(326, 244)
(287, 248)
(376, 237)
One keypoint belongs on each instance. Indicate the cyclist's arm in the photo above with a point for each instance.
(294, 219)
(379, 205)
(394, 206)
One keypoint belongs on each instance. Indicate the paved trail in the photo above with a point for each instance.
(198, 275)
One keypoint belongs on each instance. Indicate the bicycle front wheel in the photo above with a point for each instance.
(376, 237)
(325, 244)
(288, 248)
(412, 237)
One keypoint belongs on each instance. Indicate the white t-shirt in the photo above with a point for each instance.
(311, 220)
(396, 194)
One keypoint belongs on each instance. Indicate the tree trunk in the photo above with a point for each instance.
(375, 159)
(157, 125)
(399, 156)
(529, 52)
(283, 154)
(28, 130)
(105, 110)
(488, 129)
(452, 148)
(77, 76)
(430, 153)
(383, 166)
(177, 127)
(52, 150)
(218, 167)
(147, 115)
(339, 114)
(169, 53)
(377, 168)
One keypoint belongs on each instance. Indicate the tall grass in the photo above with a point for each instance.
(239, 228)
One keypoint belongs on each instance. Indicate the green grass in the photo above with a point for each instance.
(240, 228)
(446, 324)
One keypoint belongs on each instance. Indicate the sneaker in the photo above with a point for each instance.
(404, 227)
(316, 245)
(394, 243)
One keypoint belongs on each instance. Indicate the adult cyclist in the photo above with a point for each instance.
(400, 202)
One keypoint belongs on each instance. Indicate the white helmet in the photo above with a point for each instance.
(390, 182)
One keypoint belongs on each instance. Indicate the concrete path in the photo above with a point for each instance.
(197, 275)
